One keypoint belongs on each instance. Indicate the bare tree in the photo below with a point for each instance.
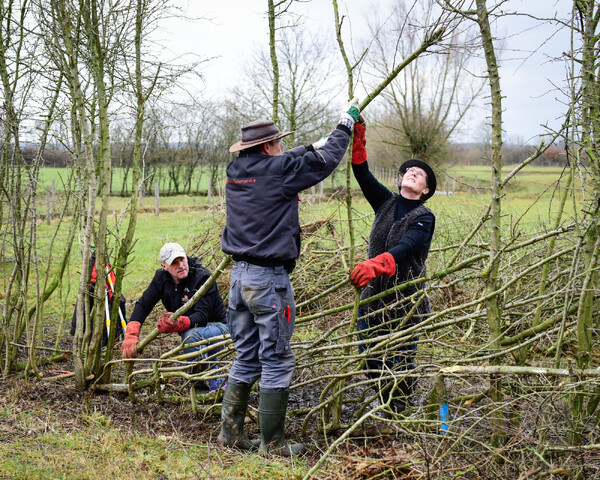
(29, 281)
(584, 148)
(86, 41)
(306, 85)
(16, 204)
(168, 146)
(142, 86)
(493, 306)
(277, 12)
(426, 104)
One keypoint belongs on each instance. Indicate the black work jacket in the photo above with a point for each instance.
(262, 223)
(208, 308)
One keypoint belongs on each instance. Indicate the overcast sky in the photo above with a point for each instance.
(529, 75)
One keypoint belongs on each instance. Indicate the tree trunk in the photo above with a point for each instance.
(493, 307)
(274, 63)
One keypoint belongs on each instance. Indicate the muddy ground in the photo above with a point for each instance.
(69, 408)
(383, 450)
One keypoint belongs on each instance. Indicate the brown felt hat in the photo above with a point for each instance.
(257, 132)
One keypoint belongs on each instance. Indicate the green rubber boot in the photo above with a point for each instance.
(233, 413)
(271, 417)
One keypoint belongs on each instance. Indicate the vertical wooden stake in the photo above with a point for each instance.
(209, 190)
(156, 199)
(48, 206)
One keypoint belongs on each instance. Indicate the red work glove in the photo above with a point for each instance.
(364, 272)
(359, 143)
(132, 337)
(166, 325)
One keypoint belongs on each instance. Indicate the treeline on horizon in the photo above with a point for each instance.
(193, 156)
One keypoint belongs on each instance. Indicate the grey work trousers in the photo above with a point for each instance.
(261, 319)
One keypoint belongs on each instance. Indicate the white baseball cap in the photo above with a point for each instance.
(171, 251)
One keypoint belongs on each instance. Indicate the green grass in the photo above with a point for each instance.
(529, 179)
(42, 448)
(60, 176)
(100, 450)
(188, 218)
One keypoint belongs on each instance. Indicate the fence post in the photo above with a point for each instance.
(48, 207)
(156, 199)
(209, 190)
(447, 185)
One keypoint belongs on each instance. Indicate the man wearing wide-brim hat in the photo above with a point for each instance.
(262, 233)
(398, 248)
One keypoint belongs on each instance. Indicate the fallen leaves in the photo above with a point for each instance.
(386, 462)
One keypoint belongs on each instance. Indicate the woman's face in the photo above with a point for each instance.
(413, 184)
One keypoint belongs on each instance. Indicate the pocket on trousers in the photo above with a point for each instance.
(260, 297)
(234, 300)
(286, 321)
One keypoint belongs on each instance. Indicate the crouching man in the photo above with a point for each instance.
(174, 284)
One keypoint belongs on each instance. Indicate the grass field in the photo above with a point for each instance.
(88, 442)
(530, 205)
(460, 178)
(46, 447)
(60, 177)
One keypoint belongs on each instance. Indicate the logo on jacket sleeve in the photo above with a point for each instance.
(243, 180)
